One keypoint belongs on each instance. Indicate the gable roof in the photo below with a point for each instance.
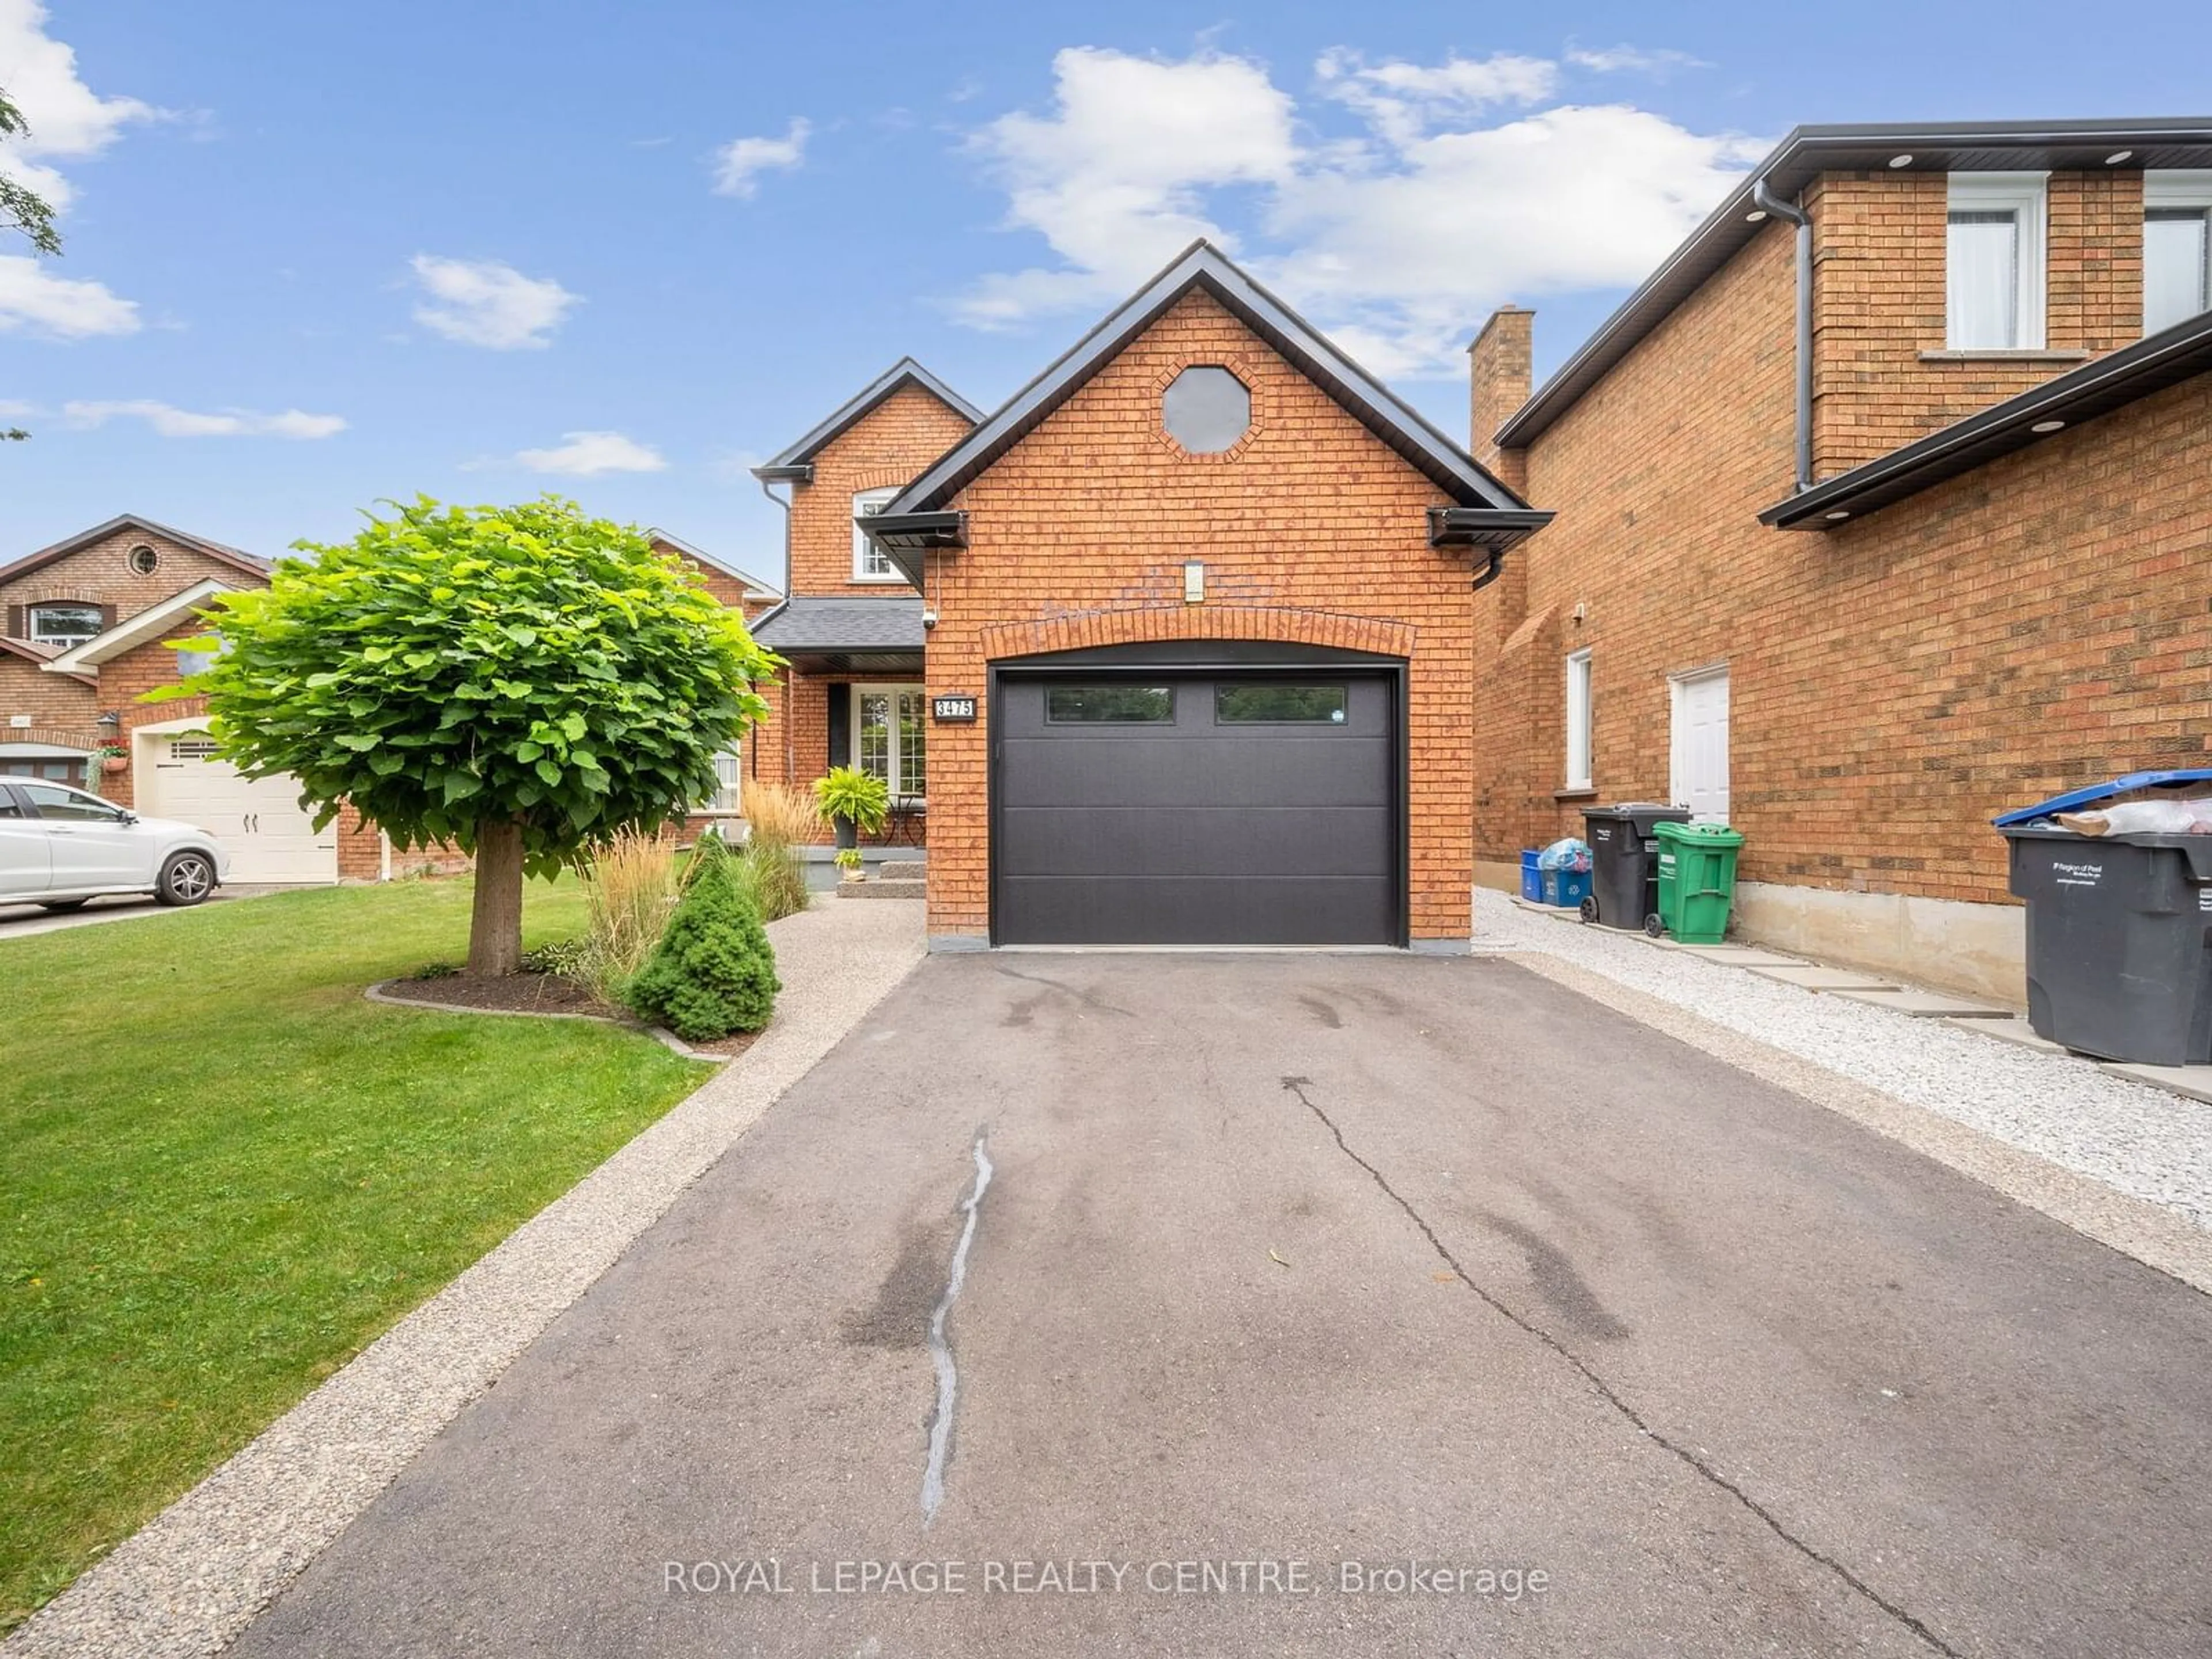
(1809, 151)
(839, 623)
(753, 583)
(2097, 387)
(132, 632)
(796, 461)
(244, 562)
(1202, 265)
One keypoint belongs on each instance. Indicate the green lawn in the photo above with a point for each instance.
(222, 1173)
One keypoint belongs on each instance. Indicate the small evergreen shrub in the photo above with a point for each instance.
(714, 971)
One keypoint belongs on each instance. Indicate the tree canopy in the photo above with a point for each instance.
(518, 681)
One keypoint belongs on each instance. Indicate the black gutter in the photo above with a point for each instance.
(2095, 388)
(1809, 151)
(1496, 528)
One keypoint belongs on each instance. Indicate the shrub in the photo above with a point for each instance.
(779, 820)
(565, 958)
(861, 797)
(629, 884)
(714, 971)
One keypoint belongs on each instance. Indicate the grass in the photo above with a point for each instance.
(222, 1174)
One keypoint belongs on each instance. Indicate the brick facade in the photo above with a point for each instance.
(100, 573)
(1882, 377)
(1898, 679)
(882, 450)
(1312, 530)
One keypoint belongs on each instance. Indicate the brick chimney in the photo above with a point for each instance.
(1502, 363)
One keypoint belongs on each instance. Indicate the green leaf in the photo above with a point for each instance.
(575, 726)
(551, 773)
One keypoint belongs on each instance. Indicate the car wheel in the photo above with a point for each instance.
(186, 878)
(63, 907)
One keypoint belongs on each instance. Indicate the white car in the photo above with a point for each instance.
(60, 846)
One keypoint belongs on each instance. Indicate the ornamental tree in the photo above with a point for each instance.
(520, 682)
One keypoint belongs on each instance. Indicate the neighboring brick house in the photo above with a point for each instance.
(1186, 629)
(2008, 495)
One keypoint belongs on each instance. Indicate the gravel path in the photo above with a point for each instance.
(2140, 1141)
(188, 1581)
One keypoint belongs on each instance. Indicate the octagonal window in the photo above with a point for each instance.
(1207, 408)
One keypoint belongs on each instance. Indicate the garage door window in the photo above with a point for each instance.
(1279, 705)
(1109, 705)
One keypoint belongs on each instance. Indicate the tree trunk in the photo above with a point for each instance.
(495, 923)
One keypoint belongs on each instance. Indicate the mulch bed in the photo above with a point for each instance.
(514, 994)
(535, 993)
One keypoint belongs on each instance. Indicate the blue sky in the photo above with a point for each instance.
(320, 254)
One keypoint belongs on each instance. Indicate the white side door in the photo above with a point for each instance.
(1701, 745)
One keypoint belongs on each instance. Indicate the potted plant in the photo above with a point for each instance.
(113, 756)
(849, 863)
(854, 802)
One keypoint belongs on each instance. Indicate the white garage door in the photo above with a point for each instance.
(258, 821)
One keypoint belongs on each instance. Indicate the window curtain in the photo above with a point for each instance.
(2175, 257)
(1982, 280)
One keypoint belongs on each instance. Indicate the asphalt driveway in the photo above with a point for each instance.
(1286, 1262)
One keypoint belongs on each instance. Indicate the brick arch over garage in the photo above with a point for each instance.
(1147, 624)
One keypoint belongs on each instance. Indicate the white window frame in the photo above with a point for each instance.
(893, 759)
(31, 620)
(2025, 195)
(728, 799)
(865, 554)
(1581, 768)
(2185, 188)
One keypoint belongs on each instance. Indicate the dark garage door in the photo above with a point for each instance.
(1168, 808)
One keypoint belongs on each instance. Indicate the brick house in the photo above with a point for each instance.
(1860, 576)
(1185, 628)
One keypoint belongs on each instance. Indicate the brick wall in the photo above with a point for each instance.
(886, 448)
(1878, 297)
(1895, 682)
(1501, 362)
(101, 575)
(1312, 530)
(54, 702)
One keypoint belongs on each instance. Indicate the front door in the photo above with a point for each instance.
(1701, 745)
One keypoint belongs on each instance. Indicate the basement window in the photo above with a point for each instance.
(1993, 262)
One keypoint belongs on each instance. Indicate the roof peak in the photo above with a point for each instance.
(796, 459)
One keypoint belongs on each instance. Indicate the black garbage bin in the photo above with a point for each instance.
(1624, 861)
(2119, 930)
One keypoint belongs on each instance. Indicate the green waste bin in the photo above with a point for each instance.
(1697, 881)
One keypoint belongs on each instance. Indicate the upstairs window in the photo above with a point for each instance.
(65, 624)
(1993, 263)
(870, 562)
(2177, 247)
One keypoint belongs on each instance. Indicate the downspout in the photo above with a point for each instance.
(790, 753)
(1767, 202)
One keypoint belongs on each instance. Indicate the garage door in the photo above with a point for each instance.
(1167, 808)
(258, 821)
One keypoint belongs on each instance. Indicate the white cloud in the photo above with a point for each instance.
(1115, 178)
(170, 421)
(1399, 236)
(68, 121)
(740, 162)
(587, 454)
(486, 302)
(1657, 62)
(1401, 100)
(11, 408)
(32, 297)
